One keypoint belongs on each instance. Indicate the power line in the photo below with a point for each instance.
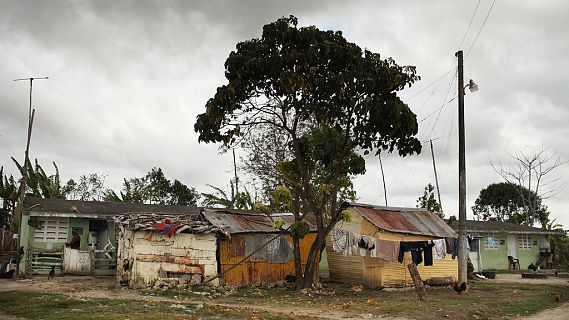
(481, 27)
(429, 85)
(469, 25)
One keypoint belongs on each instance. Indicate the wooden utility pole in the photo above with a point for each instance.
(17, 217)
(235, 170)
(383, 177)
(436, 177)
(462, 259)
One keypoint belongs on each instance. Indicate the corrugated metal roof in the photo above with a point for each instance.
(76, 208)
(406, 220)
(246, 221)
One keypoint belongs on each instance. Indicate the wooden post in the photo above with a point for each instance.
(417, 281)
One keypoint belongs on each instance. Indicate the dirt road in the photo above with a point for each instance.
(105, 287)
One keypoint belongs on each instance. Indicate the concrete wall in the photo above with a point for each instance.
(498, 258)
(153, 256)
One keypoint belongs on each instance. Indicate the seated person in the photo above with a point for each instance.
(75, 240)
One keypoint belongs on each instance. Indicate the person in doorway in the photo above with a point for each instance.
(75, 240)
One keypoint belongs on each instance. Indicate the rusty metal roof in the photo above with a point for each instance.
(242, 221)
(406, 220)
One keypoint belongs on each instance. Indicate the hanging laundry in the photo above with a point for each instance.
(452, 246)
(440, 249)
(387, 250)
(428, 248)
(491, 242)
(416, 249)
(340, 240)
(365, 244)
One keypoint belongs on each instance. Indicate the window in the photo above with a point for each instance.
(52, 229)
(524, 242)
(490, 242)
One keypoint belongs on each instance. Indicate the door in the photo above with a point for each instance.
(512, 246)
(76, 261)
(474, 255)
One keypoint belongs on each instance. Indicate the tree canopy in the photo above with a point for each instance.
(505, 201)
(154, 187)
(327, 97)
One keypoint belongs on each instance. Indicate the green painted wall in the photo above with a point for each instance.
(495, 258)
(27, 233)
(529, 256)
(83, 225)
(498, 258)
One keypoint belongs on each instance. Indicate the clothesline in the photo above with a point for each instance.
(350, 243)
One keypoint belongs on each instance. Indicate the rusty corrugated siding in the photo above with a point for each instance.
(246, 221)
(403, 220)
(258, 270)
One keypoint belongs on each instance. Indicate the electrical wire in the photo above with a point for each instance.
(429, 85)
(469, 25)
(481, 27)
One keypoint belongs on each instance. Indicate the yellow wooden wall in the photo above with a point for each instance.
(259, 272)
(373, 272)
(348, 269)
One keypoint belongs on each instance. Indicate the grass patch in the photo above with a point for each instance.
(48, 306)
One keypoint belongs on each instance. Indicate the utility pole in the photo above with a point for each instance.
(383, 177)
(17, 218)
(462, 254)
(436, 177)
(235, 169)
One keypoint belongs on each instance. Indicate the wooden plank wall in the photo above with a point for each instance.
(348, 269)
(373, 272)
(257, 272)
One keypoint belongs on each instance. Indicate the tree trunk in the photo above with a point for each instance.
(297, 263)
(310, 268)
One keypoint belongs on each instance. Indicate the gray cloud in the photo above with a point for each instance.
(129, 77)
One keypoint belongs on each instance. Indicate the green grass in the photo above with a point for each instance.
(34, 305)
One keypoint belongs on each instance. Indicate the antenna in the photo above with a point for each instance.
(17, 217)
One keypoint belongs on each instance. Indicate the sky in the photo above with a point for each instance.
(128, 78)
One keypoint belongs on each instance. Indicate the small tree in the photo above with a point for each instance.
(297, 80)
(90, 188)
(429, 201)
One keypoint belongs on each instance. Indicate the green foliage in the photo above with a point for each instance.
(505, 202)
(320, 77)
(429, 201)
(325, 97)
(278, 224)
(346, 215)
(154, 187)
(233, 200)
(8, 196)
(40, 184)
(299, 229)
(90, 188)
(282, 198)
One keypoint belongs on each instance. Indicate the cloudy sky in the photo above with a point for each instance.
(127, 79)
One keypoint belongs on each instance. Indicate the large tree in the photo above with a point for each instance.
(505, 201)
(532, 170)
(303, 79)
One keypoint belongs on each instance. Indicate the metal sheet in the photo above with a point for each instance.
(406, 220)
(246, 221)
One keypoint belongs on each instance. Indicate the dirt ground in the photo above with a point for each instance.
(105, 287)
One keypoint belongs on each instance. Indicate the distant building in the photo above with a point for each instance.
(491, 242)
